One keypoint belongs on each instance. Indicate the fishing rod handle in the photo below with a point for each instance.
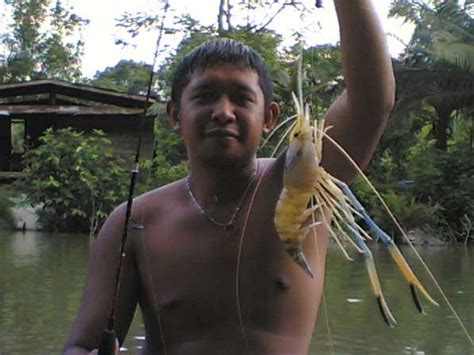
(107, 343)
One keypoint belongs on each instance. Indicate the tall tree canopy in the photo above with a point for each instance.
(437, 66)
(126, 76)
(42, 42)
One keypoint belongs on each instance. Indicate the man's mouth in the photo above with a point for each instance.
(221, 133)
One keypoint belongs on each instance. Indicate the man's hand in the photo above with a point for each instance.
(115, 351)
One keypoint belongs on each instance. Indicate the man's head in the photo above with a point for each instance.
(217, 52)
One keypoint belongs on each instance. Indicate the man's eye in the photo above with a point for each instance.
(244, 99)
(204, 97)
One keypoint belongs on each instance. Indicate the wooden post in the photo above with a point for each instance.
(5, 142)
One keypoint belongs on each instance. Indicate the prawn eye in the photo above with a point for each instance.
(296, 134)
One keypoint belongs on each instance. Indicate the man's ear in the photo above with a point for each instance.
(173, 116)
(271, 116)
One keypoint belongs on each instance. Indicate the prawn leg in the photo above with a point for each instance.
(295, 249)
(392, 248)
(373, 276)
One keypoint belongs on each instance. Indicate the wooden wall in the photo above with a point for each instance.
(122, 131)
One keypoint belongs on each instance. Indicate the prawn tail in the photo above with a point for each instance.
(412, 280)
(375, 283)
(296, 252)
(373, 277)
(397, 256)
(401, 262)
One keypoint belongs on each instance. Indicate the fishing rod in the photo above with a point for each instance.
(108, 339)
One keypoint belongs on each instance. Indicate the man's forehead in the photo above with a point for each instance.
(224, 75)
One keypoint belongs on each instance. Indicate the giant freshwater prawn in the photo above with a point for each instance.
(309, 190)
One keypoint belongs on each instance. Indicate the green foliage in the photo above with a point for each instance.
(322, 75)
(453, 188)
(169, 162)
(442, 193)
(401, 201)
(126, 76)
(444, 30)
(18, 137)
(436, 66)
(42, 42)
(158, 172)
(265, 42)
(7, 220)
(408, 211)
(76, 178)
(321, 85)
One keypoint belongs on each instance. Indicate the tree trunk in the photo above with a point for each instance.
(228, 15)
(220, 17)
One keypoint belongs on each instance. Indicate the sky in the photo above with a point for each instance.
(99, 36)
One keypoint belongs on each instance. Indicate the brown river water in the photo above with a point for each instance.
(42, 275)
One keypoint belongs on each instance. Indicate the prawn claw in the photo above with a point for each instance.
(298, 256)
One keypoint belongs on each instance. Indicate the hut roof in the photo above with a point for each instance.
(63, 98)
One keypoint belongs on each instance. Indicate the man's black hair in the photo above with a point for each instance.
(216, 52)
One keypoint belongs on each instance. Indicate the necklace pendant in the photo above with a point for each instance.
(229, 227)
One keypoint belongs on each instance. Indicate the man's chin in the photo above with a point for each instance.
(226, 160)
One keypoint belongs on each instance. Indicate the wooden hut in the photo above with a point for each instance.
(29, 108)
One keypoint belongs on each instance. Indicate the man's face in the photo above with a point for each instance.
(222, 115)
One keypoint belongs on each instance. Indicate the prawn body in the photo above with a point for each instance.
(308, 188)
(301, 170)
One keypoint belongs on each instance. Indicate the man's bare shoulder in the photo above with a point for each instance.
(272, 167)
(146, 205)
(159, 198)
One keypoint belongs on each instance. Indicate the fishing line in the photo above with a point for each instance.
(239, 255)
(325, 308)
(155, 302)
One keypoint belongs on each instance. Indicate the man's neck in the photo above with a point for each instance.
(216, 186)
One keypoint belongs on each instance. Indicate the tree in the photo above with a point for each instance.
(41, 42)
(423, 157)
(126, 76)
(436, 64)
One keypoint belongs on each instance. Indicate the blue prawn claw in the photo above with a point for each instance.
(396, 254)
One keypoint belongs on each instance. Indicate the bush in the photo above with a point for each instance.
(7, 220)
(409, 212)
(76, 178)
(447, 179)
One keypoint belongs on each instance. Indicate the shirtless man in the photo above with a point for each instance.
(203, 286)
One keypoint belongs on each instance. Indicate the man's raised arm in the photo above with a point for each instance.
(360, 114)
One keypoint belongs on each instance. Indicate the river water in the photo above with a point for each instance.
(42, 275)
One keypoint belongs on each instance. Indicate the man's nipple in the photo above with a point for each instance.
(282, 283)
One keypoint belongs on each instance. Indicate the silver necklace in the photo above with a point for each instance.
(230, 224)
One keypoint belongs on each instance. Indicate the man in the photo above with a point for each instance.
(203, 259)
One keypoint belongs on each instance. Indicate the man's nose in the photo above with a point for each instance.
(224, 110)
